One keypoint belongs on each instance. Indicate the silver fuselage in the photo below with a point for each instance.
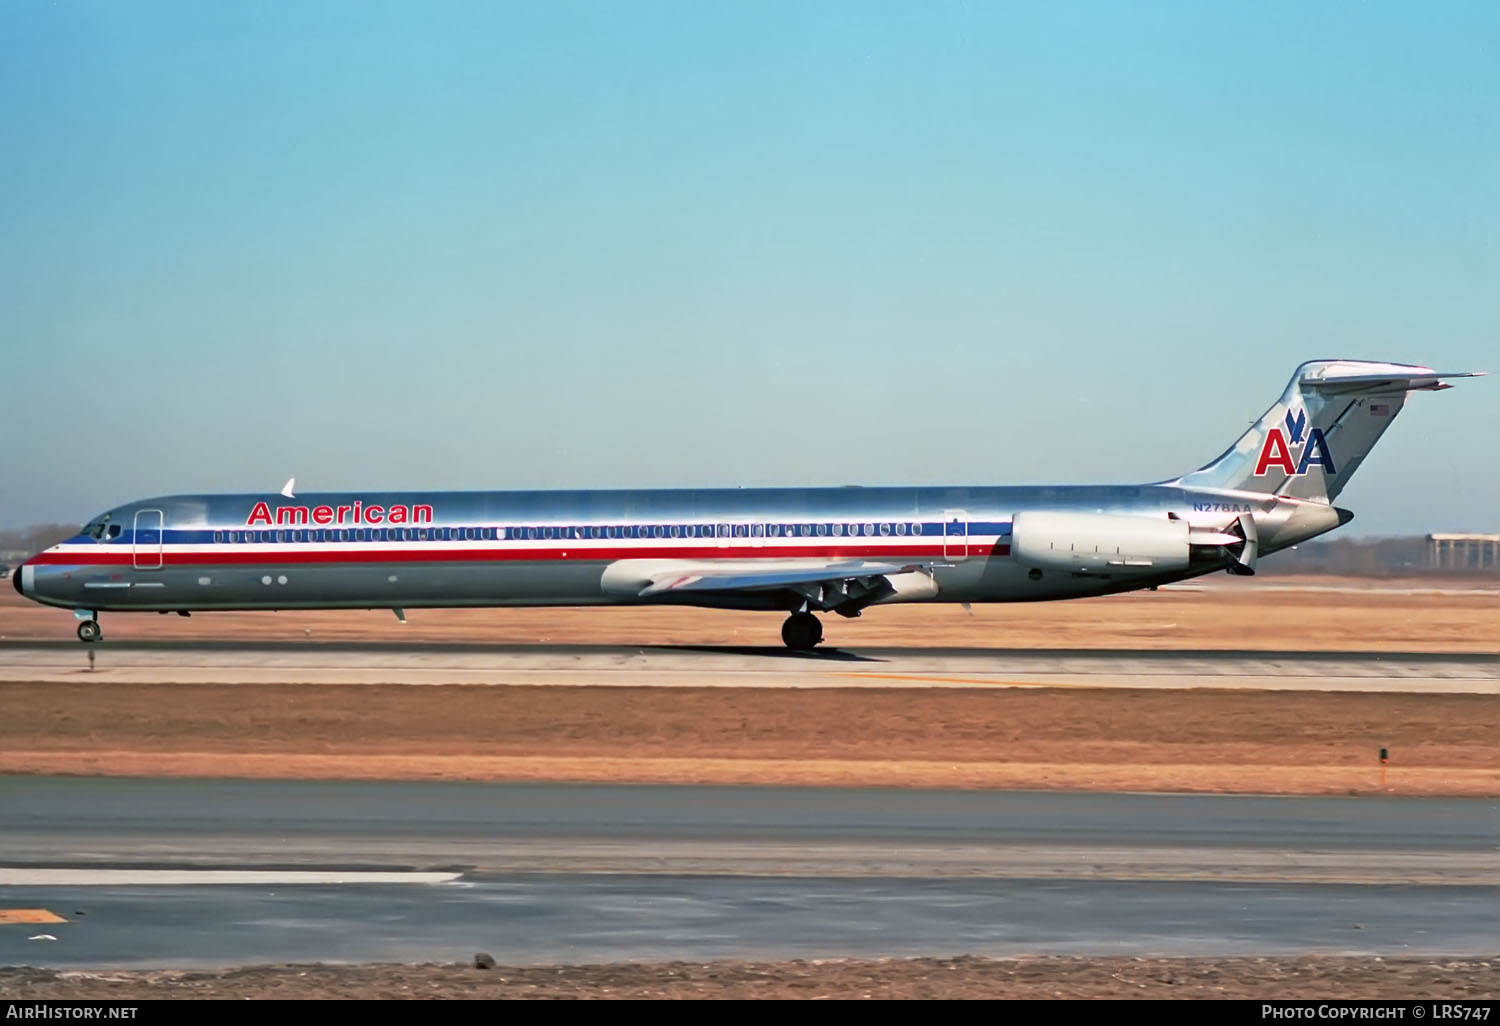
(527, 548)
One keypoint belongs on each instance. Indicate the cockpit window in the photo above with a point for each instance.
(95, 528)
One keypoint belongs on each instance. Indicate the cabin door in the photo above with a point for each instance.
(146, 546)
(955, 535)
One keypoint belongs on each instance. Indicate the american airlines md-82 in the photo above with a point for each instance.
(798, 551)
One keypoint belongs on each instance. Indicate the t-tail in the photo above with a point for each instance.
(1310, 443)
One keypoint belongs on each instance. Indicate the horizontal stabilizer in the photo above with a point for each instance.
(1397, 378)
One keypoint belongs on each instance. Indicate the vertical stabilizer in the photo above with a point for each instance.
(1310, 443)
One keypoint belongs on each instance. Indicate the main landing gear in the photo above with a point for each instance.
(802, 632)
(88, 630)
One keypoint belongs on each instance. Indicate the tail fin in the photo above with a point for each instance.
(1312, 441)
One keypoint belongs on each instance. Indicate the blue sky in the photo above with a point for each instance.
(491, 245)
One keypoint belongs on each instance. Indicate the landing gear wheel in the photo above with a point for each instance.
(89, 631)
(802, 632)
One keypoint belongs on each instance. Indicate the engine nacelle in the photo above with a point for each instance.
(1099, 542)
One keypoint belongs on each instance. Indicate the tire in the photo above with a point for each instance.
(801, 632)
(89, 632)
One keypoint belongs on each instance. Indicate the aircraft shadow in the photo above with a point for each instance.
(832, 655)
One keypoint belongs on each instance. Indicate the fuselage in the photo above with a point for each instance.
(433, 549)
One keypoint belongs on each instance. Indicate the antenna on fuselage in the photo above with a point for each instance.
(286, 489)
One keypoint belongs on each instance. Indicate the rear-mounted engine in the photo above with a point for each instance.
(1102, 543)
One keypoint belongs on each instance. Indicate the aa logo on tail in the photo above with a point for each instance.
(1277, 450)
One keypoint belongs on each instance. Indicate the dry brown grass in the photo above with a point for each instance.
(1229, 741)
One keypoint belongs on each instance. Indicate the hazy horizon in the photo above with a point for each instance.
(664, 244)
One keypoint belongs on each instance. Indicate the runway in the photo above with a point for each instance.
(420, 663)
(544, 873)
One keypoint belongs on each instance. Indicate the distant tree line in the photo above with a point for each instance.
(1366, 557)
(17, 543)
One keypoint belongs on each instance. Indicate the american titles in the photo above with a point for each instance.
(261, 514)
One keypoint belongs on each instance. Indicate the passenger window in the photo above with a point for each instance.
(900, 528)
(916, 528)
(885, 528)
(822, 530)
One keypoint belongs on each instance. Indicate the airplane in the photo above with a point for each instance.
(797, 551)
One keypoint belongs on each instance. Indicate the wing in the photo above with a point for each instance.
(845, 586)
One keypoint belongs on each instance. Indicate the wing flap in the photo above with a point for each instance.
(709, 577)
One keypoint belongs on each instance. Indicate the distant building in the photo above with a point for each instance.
(1463, 551)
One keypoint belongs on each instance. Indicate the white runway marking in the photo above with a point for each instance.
(667, 667)
(1339, 589)
(12, 877)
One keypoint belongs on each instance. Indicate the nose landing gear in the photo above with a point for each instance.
(802, 632)
(88, 625)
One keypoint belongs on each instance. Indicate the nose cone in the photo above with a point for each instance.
(15, 578)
